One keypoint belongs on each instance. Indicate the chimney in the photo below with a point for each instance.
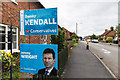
(111, 28)
(105, 30)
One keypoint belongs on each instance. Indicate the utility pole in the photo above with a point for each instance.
(76, 28)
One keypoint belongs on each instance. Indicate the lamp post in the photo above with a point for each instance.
(11, 37)
(76, 28)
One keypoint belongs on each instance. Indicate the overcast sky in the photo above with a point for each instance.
(92, 16)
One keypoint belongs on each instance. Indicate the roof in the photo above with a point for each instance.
(111, 33)
(104, 34)
(65, 29)
(59, 27)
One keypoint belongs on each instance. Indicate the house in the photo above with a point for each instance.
(87, 38)
(67, 35)
(10, 16)
(108, 33)
(103, 35)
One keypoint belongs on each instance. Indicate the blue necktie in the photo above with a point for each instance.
(46, 72)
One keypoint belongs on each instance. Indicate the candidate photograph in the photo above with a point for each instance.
(48, 60)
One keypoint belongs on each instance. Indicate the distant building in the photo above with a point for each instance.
(87, 38)
(108, 33)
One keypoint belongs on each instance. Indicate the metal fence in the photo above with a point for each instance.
(62, 59)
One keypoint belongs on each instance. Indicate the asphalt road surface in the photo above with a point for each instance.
(108, 53)
(84, 65)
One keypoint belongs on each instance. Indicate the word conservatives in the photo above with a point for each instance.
(40, 21)
(41, 31)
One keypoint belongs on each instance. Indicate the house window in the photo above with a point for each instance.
(44, 39)
(5, 37)
(14, 38)
(2, 37)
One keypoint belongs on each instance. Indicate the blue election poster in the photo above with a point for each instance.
(34, 57)
(39, 22)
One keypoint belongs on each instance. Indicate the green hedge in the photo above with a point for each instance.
(59, 39)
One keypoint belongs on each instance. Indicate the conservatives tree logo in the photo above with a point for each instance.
(27, 31)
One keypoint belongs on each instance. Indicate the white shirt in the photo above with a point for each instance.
(49, 71)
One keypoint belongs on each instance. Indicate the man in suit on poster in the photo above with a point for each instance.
(49, 60)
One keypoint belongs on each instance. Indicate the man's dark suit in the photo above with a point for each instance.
(52, 73)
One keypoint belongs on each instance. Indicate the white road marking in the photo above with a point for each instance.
(96, 44)
(106, 51)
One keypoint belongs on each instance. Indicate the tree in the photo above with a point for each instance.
(73, 36)
(93, 36)
(117, 30)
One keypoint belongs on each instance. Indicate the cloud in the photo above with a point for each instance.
(92, 16)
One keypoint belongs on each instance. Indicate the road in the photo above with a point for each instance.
(107, 53)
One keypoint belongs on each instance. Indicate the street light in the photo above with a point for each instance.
(11, 35)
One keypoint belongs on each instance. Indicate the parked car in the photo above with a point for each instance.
(88, 40)
(95, 41)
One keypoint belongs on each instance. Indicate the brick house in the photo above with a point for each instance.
(10, 14)
(67, 35)
(87, 38)
(108, 33)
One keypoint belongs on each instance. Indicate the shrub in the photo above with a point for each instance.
(6, 63)
(59, 39)
(115, 42)
(109, 39)
(73, 36)
(75, 42)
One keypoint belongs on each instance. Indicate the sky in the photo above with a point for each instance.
(92, 16)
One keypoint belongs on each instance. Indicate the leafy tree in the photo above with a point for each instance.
(73, 36)
(93, 36)
(97, 37)
(117, 30)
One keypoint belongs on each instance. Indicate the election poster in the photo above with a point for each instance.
(35, 57)
(39, 22)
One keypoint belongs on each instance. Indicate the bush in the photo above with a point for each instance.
(69, 39)
(73, 36)
(59, 39)
(115, 42)
(109, 39)
(6, 63)
(75, 42)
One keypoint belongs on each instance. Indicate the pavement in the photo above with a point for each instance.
(84, 65)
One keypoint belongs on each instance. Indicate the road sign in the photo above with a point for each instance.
(39, 22)
(31, 57)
